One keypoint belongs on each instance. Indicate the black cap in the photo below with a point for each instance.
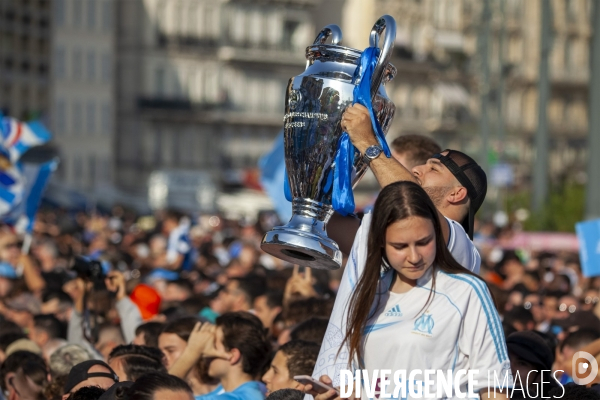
(111, 393)
(530, 347)
(79, 373)
(472, 177)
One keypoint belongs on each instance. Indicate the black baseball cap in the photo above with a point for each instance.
(472, 177)
(79, 373)
(530, 347)
(111, 393)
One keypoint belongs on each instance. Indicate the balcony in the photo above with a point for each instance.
(164, 104)
(307, 3)
(261, 55)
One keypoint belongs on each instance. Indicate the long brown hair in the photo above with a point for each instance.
(396, 202)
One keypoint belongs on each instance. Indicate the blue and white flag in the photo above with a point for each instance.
(273, 176)
(17, 137)
(12, 185)
(36, 177)
(588, 233)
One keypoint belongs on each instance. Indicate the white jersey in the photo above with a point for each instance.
(328, 363)
(459, 330)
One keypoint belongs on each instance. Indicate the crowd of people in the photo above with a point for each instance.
(173, 306)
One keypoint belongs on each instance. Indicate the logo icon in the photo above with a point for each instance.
(584, 372)
(424, 324)
(394, 312)
(294, 99)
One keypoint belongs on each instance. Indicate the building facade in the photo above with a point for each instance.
(25, 27)
(201, 83)
(83, 94)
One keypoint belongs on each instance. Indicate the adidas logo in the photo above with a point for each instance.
(394, 312)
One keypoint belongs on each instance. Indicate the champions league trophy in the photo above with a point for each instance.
(315, 102)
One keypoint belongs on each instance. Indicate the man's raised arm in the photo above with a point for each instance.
(357, 122)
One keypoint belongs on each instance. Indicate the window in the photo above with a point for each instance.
(77, 12)
(106, 119)
(569, 54)
(91, 14)
(157, 146)
(289, 31)
(212, 21)
(212, 86)
(60, 122)
(515, 48)
(568, 105)
(77, 118)
(77, 61)
(91, 66)
(104, 170)
(238, 28)
(192, 20)
(182, 15)
(91, 117)
(77, 169)
(514, 8)
(571, 10)
(178, 85)
(167, 149)
(107, 15)
(106, 68)
(160, 82)
(62, 169)
(59, 63)
(91, 170)
(197, 85)
(59, 12)
(256, 27)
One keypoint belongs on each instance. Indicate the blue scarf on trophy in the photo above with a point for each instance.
(343, 198)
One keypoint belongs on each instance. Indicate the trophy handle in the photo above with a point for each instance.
(388, 24)
(330, 30)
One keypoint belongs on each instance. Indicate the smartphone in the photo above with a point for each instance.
(318, 387)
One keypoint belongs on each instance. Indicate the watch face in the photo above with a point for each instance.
(373, 152)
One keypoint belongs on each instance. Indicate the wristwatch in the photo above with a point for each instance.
(371, 153)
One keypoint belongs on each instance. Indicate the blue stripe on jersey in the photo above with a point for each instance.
(484, 290)
(494, 314)
(376, 327)
(352, 278)
(495, 327)
(488, 308)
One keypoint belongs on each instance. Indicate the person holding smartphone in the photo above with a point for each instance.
(414, 307)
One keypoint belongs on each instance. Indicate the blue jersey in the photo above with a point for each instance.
(248, 391)
(218, 390)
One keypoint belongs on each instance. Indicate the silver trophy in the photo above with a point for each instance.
(315, 102)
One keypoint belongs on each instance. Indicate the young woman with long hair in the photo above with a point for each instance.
(415, 308)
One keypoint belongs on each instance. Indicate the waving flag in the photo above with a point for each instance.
(36, 177)
(12, 185)
(17, 137)
(273, 176)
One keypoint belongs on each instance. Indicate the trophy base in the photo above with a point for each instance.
(303, 240)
